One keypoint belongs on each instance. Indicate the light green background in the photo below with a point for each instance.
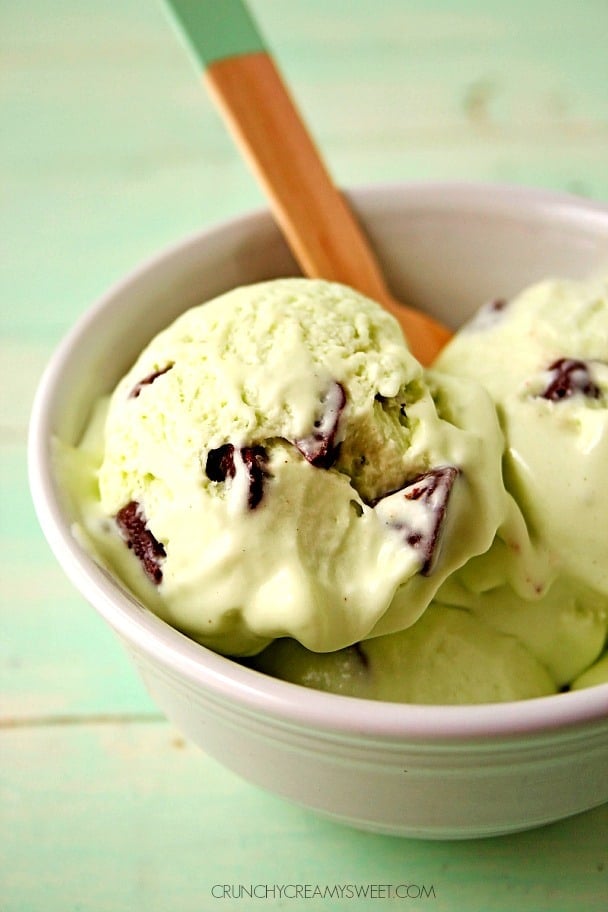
(110, 149)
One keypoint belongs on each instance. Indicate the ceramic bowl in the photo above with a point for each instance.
(418, 771)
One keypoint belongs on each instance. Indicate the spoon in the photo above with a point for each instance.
(320, 228)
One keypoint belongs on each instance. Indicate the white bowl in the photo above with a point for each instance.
(424, 771)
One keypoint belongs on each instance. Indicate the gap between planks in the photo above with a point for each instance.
(82, 719)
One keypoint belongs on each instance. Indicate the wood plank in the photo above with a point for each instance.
(113, 148)
(131, 817)
(110, 150)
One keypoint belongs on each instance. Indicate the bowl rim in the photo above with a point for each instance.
(222, 678)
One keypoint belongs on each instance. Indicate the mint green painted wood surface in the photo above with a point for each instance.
(109, 150)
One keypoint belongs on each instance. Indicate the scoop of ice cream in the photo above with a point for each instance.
(448, 656)
(596, 674)
(564, 628)
(530, 615)
(543, 357)
(276, 464)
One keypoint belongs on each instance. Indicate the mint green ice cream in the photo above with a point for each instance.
(543, 357)
(530, 615)
(278, 477)
(277, 464)
(449, 656)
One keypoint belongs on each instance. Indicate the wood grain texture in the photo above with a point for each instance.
(133, 817)
(110, 150)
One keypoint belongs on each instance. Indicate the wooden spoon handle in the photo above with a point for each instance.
(318, 224)
(314, 217)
